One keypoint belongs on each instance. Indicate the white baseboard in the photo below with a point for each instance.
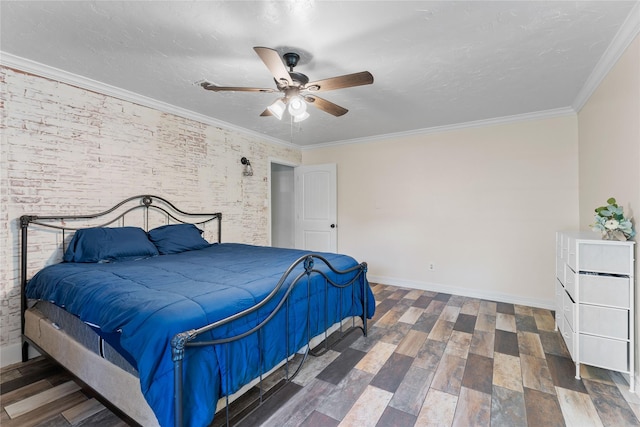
(11, 354)
(467, 292)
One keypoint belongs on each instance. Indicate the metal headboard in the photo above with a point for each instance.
(115, 215)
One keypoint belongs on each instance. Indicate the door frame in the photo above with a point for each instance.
(273, 160)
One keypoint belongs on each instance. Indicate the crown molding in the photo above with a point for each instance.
(538, 115)
(26, 65)
(12, 61)
(623, 38)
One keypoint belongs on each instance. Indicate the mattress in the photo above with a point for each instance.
(84, 335)
(119, 387)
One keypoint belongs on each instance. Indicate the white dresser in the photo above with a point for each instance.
(595, 300)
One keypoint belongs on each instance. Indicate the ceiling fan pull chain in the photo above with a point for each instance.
(291, 127)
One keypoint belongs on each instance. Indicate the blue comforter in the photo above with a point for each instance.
(149, 301)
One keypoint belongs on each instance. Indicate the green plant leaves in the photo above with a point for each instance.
(610, 220)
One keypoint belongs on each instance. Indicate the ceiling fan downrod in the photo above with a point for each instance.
(291, 60)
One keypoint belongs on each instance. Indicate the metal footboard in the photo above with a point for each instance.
(183, 341)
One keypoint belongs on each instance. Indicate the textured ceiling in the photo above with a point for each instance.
(434, 63)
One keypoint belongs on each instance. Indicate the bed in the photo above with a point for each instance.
(164, 324)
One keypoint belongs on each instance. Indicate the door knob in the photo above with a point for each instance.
(333, 226)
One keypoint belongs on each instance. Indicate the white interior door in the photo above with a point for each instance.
(315, 190)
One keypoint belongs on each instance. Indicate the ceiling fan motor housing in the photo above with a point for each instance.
(291, 59)
(299, 78)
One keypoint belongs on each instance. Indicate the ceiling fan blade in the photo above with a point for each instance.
(349, 80)
(209, 86)
(266, 113)
(326, 106)
(272, 60)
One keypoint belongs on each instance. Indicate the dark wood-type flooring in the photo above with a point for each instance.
(430, 359)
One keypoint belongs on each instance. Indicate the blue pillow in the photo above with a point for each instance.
(102, 244)
(176, 238)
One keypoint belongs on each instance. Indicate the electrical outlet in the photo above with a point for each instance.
(432, 266)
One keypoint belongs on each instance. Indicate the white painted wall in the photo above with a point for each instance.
(609, 140)
(481, 204)
(609, 147)
(68, 150)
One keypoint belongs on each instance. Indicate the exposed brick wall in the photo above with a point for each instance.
(72, 151)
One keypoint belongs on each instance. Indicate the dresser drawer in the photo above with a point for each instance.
(605, 290)
(570, 281)
(560, 323)
(604, 352)
(569, 338)
(559, 304)
(559, 270)
(604, 258)
(606, 321)
(559, 294)
(564, 250)
(569, 310)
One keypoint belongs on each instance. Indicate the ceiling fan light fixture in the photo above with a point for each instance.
(297, 106)
(301, 117)
(277, 108)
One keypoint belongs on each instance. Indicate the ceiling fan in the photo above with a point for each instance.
(296, 88)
